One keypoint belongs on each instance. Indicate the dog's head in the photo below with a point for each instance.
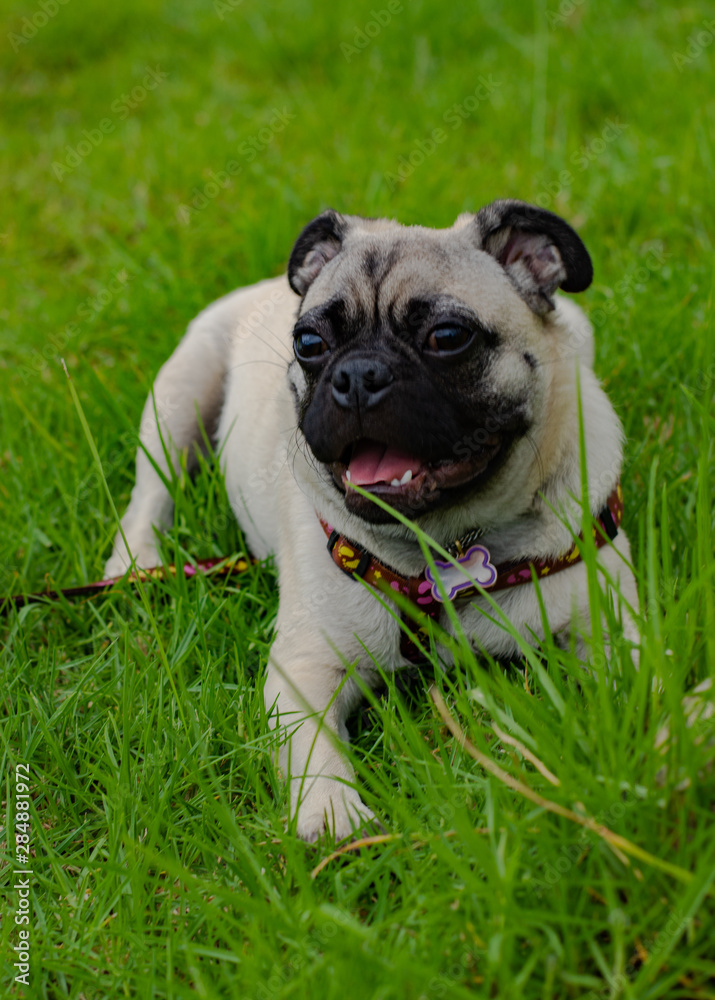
(418, 351)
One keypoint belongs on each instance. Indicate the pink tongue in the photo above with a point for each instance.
(376, 463)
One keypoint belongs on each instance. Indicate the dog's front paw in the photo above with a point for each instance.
(333, 807)
(115, 566)
(145, 555)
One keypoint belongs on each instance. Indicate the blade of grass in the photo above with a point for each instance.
(618, 844)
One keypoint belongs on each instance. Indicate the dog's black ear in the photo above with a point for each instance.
(537, 249)
(319, 242)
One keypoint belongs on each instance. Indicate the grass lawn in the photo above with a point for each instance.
(160, 862)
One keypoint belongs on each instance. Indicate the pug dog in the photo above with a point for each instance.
(437, 371)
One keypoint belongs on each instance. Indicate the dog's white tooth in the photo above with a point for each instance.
(395, 482)
(347, 475)
(406, 478)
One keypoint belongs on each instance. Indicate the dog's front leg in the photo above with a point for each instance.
(311, 699)
(191, 382)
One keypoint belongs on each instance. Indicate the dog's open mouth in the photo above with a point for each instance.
(405, 481)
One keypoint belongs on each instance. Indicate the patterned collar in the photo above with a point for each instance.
(424, 591)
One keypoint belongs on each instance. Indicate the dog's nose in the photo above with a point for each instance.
(360, 382)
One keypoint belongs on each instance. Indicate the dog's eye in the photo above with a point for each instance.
(449, 339)
(309, 345)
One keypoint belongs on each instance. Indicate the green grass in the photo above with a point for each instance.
(161, 865)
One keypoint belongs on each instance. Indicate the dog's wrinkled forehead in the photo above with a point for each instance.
(385, 271)
(508, 247)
